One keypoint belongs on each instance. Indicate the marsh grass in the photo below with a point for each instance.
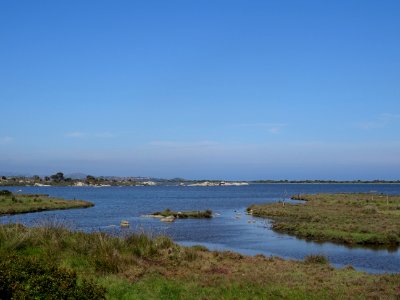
(137, 266)
(316, 259)
(23, 203)
(362, 219)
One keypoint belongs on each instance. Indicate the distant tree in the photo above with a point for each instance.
(4, 177)
(36, 178)
(57, 177)
(90, 178)
(47, 178)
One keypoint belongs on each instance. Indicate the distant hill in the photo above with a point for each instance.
(16, 174)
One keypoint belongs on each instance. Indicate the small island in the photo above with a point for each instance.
(12, 203)
(354, 219)
(169, 216)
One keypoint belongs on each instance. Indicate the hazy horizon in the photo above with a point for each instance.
(232, 90)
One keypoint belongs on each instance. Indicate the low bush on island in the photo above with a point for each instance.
(195, 214)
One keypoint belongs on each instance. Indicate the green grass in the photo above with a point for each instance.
(11, 204)
(24, 277)
(355, 219)
(196, 214)
(139, 267)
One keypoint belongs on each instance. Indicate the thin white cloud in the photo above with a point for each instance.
(177, 144)
(273, 128)
(4, 140)
(98, 135)
(381, 121)
(75, 134)
(104, 135)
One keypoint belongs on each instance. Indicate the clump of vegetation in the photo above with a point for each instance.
(22, 203)
(299, 197)
(370, 209)
(363, 219)
(5, 193)
(316, 259)
(140, 267)
(28, 278)
(196, 214)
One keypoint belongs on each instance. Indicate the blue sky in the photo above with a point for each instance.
(201, 89)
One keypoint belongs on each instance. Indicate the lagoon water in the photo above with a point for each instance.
(230, 229)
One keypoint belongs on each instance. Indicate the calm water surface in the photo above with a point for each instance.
(229, 230)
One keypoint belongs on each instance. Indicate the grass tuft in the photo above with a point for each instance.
(316, 259)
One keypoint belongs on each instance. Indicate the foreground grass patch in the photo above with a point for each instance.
(138, 267)
(19, 203)
(364, 219)
(29, 278)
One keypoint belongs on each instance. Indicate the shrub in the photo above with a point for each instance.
(392, 238)
(106, 264)
(5, 193)
(163, 242)
(28, 278)
(142, 245)
(349, 268)
(316, 219)
(200, 248)
(190, 254)
(370, 209)
(316, 259)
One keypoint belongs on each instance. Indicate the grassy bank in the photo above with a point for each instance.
(137, 267)
(364, 219)
(19, 203)
(196, 214)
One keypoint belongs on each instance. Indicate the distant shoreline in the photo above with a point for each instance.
(59, 179)
(201, 184)
(347, 182)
